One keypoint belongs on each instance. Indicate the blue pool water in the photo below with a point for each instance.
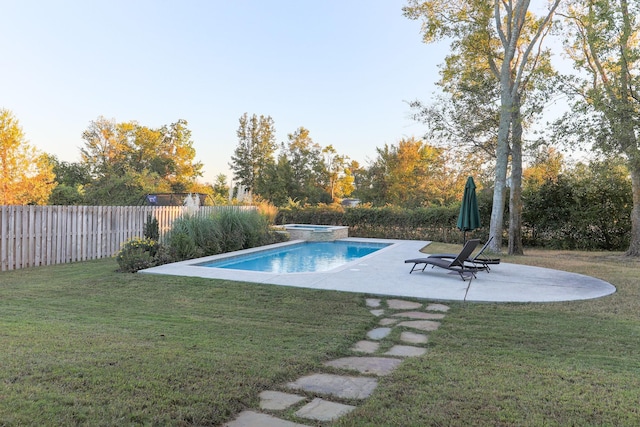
(299, 258)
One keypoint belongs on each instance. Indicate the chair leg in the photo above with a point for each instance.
(414, 268)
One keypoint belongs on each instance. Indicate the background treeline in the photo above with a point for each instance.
(587, 207)
(410, 190)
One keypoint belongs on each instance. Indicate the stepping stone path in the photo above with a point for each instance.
(321, 395)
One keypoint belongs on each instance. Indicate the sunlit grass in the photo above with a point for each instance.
(83, 345)
(569, 363)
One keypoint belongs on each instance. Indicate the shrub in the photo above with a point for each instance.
(137, 254)
(152, 228)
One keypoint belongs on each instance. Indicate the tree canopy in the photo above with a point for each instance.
(254, 153)
(501, 39)
(26, 175)
(602, 40)
(412, 174)
(127, 160)
(301, 170)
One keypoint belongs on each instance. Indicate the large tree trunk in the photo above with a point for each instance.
(515, 17)
(515, 202)
(502, 160)
(515, 195)
(634, 244)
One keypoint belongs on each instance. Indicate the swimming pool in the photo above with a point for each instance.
(303, 257)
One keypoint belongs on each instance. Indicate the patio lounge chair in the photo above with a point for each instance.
(479, 261)
(457, 264)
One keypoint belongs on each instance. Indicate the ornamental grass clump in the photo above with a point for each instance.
(242, 230)
(226, 231)
(194, 236)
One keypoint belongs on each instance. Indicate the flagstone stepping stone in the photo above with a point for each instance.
(387, 322)
(419, 315)
(366, 365)
(341, 386)
(277, 401)
(373, 302)
(323, 410)
(366, 347)
(377, 312)
(437, 307)
(406, 351)
(423, 325)
(252, 419)
(398, 304)
(378, 333)
(413, 338)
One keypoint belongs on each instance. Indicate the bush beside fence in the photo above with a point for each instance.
(45, 235)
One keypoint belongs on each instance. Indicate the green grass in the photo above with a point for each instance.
(557, 364)
(84, 345)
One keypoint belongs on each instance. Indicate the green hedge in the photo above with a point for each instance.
(566, 220)
(389, 222)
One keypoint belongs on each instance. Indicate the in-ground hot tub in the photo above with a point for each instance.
(316, 233)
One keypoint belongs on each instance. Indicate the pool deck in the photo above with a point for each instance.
(385, 273)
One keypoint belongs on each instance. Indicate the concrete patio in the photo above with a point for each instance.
(385, 273)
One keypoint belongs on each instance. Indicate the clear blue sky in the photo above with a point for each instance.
(341, 68)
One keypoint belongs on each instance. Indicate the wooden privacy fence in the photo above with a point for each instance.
(44, 235)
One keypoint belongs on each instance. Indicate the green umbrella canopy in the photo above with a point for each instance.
(469, 217)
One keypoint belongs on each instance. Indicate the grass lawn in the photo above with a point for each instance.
(84, 345)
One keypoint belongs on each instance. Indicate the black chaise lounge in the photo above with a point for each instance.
(479, 261)
(457, 264)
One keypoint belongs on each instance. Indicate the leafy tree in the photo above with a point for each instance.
(339, 180)
(278, 185)
(71, 179)
(546, 166)
(221, 189)
(125, 189)
(104, 147)
(26, 176)
(255, 150)
(602, 39)
(308, 170)
(177, 157)
(411, 174)
(345, 184)
(304, 172)
(127, 160)
(502, 34)
(359, 175)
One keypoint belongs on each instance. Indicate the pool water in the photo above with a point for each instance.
(304, 257)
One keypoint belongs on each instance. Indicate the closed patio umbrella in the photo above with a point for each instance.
(469, 217)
